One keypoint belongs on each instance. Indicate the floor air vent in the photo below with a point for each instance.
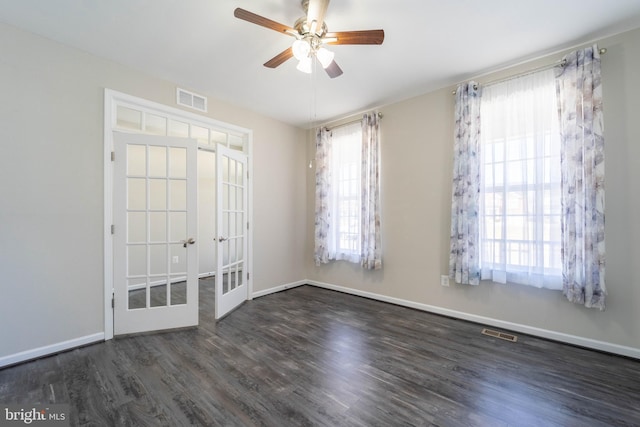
(501, 335)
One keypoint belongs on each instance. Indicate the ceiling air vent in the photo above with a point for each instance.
(191, 100)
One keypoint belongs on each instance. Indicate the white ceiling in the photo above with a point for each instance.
(428, 44)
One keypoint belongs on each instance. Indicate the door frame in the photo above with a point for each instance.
(113, 99)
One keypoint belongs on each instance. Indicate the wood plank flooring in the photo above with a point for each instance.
(310, 356)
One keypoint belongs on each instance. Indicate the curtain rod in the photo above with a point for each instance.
(347, 123)
(561, 63)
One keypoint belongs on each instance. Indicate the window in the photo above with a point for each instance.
(517, 213)
(520, 211)
(345, 163)
(347, 214)
(132, 118)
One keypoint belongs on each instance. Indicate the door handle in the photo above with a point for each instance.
(189, 241)
(221, 239)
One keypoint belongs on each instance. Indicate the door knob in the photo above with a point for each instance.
(189, 241)
(221, 239)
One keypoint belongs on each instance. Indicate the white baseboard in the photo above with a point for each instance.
(543, 333)
(279, 288)
(517, 327)
(50, 349)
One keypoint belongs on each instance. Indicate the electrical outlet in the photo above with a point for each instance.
(176, 259)
(444, 280)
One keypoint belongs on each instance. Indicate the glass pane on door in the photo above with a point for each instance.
(178, 292)
(137, 293)
(158, 295)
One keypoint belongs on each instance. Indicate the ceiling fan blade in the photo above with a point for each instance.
(262, 21)
(279, 58)
(316, 12)
(333, 70)
(355, 37)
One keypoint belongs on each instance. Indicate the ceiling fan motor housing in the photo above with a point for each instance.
(303, 29)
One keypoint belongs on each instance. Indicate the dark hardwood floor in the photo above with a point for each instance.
(310, 356)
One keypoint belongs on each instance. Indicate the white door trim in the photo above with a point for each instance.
(111, 101)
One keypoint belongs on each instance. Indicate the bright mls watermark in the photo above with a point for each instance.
(34, 415)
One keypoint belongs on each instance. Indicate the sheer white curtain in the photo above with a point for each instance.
(520, 182)
(345, 198)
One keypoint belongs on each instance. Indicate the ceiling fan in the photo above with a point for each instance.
(311, 36)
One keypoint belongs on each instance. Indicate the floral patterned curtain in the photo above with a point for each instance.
(323, 189)
(464, 265)
(371, 251)
(579, 90)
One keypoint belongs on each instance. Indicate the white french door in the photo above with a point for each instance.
(232, 229)
(155, 264)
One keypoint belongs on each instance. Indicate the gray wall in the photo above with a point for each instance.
(51, 192)
(417, 157)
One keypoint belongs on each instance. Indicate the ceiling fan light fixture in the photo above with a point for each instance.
(325, 56)
(305, 65)
(301, 49)
(311, 34)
